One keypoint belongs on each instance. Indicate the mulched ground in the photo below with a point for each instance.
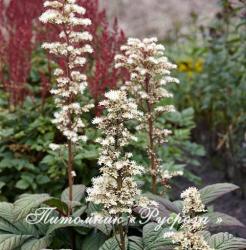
(231, 204)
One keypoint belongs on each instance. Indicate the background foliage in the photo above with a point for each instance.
(212, 72)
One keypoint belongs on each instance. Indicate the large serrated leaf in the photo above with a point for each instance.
(164, 203)
(112, 244)
(36, 244)
(93, 241)
(206, 235)
(6, 211)
(8, 227)
(11, 242)
(27, 229)
(226, 241)
(20, 234)
(154, 239)
(105, 228)
(135, 243)
(215, 191)
(221, 219)
(78, 193)
(27, 203)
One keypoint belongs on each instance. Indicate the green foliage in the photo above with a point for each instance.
(211, 65)
(20, 235)
(153, 239)
(94, 241)
(213, 192)
(226, 241)
(16, 233)
(111, 244)
(26, 161)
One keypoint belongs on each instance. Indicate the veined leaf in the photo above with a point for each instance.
(221, 219)
(154, 239)
(215, 191)
(112, 244)
(36, 244)
(11, 241)
(93, 241)
(226, 241)
(78, 193)
(6, 211)
(135, 243)
(26, 203)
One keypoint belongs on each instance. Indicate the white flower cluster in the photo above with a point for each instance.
(167, 174)
(70, 81)
(192, 201)
(150, 71)
(190, 236)
(116, 188)
(190, 240)
(149, 74)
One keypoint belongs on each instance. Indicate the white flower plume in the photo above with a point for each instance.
(71, 83)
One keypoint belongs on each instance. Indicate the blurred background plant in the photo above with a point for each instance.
(212, 71)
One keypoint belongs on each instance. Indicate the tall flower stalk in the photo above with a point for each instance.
(116, 188)
(190, 235)
(71, 83)
(150, 72)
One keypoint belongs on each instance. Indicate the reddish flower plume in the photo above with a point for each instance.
(22, 33)
(17, 20)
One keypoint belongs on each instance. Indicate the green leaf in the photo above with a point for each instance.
(36, 244)
(58, 226)
(57, 203)
(105, 228)
(112, 244)
(22, 184)
(153, 239)
(93, 241)
(26, 203)
(11, 242)
(7, 227)
(226, 241)
(79, 211)
(170, 206)
(2, 184)
(135, 243)
(215, 191)
(42, 179)
(78, 193)
(226, 220)
(6, 211)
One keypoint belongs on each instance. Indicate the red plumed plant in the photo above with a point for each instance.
(106, 43)
(17, 39)
(21, 33)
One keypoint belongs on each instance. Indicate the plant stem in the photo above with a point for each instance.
(70, 150)
(122, 237)
(152, 156)
(119, 187)
(70, 177)
(120, 226)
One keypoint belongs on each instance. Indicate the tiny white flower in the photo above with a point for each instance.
(54, 146)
